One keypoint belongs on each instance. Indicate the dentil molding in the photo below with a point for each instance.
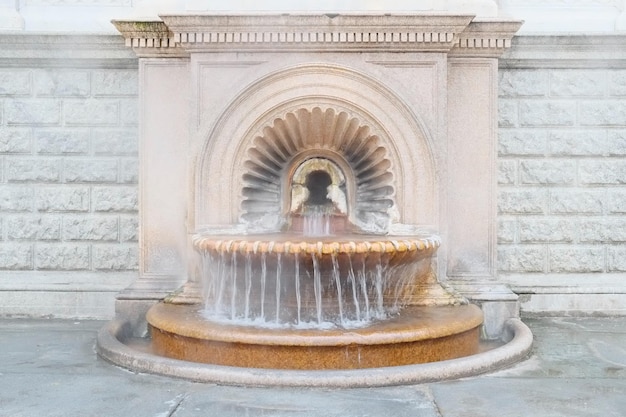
(448, 33)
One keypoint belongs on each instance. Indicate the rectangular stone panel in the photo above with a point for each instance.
(15, 140)
(472, 141)
(164, 190)
(62, 83)
(32, 111)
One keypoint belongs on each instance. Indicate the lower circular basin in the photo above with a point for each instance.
(417, 335)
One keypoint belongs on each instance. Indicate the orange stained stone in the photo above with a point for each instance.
(418, 335)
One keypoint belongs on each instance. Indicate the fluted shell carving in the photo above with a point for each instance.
(330, 132)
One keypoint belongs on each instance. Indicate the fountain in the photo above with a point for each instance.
(305, 240)
(323, 293)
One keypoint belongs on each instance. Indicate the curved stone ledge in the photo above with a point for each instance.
(517, 335)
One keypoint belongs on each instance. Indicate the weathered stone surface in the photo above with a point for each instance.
(521, 258)
(576, 259)
(97, 228)
(602, 230)
(91, 170)
(119, 257)
(115, 83)
(522, 142)
(91, 112)
(507, 113)
(617, 259)
(602, 113)
(129, 171)
(16, 256)
(129, 228)
(578, 142)
(14, 82)
(567, 201)
(522, 201)
(115, 142)
(62, 141)
(602, 171)
(32, 111)
(129, 112)
(36, 169)
(34, 227)
(63, 199)
(16, 198)
(617, 142)
(61, 83)
(577, 82)
(116, 199)
(15, 140)
(62, 257)
(617, 83)
(535, 230)
(523, 83)
(506, 231)
(617, 201)
(507, 172)
(547, 113)
(547, 171)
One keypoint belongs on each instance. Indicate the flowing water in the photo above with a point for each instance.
(256, 280)
(272, 287)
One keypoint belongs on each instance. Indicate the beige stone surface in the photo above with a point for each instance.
(433, 108)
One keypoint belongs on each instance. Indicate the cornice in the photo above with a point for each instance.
(148, 37)
(39, 50)
(184, 34)
(486, 38)
(566, 51)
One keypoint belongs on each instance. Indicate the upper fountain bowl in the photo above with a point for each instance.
(331, 281)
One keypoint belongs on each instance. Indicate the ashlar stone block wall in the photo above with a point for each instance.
(562, 170)
(68, 182)
(562, 173)
(68, 174)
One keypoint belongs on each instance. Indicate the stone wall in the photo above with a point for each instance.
(68, 175)
(562, 173)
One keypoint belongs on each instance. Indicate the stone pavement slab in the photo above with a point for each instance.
(577, 368)
(504, 397)
(49, 368)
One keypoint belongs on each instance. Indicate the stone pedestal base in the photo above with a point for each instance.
(417, 335)
(497, 301)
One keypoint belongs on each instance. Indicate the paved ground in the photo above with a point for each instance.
(49, 368)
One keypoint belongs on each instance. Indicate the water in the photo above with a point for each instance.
(280, 288)
(311, 278)
(317, 223)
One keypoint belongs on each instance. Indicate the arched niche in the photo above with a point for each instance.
(277, 97)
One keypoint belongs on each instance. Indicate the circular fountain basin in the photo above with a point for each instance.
(288, 279)
(316, 279)
(417, 335)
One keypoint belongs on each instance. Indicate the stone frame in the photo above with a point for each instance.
(206, 79)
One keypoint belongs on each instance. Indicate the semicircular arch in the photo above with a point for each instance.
(400, 132)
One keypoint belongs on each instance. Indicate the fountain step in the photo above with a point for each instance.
(418, 335)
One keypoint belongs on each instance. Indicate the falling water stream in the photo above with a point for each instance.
(281, 288)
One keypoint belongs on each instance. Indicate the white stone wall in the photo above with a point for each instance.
(562, 148)
(562, 174)
(68, 181)
(68, 174)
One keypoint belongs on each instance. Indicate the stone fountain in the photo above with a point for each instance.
(312, 188)
(333, 289)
